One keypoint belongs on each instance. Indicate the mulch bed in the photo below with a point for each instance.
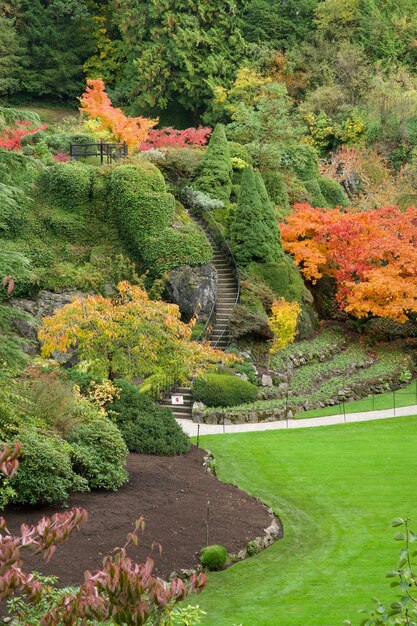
(172, 493)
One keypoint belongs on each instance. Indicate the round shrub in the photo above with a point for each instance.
(99, 454)
(332, 192)
(315, 196)
(45, 473)
(146, 427)
(223, 390)
(213, 557)
(69, 185)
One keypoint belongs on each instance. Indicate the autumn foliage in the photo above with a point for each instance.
(121, 591)
(129, 335)
(10, 138)
(283, 323)
(96, 105)
(372, 255)
(173, 138)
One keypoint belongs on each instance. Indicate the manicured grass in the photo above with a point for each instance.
(403, 397)
(336, 490)
(52, 114)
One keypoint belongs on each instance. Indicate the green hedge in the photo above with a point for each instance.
(223, 390)
(146, 427)
(99, 454)
(141, 203)
(173, 247)
(69, 185)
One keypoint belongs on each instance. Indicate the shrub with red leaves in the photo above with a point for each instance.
(172, 138)
(10, 138)
(122, 590)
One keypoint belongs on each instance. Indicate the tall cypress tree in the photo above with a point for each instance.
(270, 220)
(215, 171)
(254, 233)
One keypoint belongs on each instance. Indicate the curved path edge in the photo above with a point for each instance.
(191, 428)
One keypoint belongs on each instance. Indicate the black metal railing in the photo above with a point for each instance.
(106, 152)
(222, 243)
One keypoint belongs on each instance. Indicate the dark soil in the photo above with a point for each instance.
(172, 493)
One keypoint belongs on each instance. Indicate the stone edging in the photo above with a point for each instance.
(272, 533)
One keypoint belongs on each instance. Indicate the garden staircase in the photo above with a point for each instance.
(227, 296)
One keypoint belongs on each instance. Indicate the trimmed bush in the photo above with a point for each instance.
(315, 197)
(99, 454)
(69, 185)
(45, 473)
(213, 557)
(146, 427)
(223, 390)
(254, 233)
(332, 192)
(143, 206)
(214, 175)
(277, 190)
(238, 151)
(173, 247)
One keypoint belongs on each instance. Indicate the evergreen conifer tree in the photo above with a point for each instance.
(273, 241)
(10, 54)
(254, 233)
(215, 171)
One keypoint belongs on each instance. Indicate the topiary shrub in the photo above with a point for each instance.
(45, 473)
(277, 191)
(99, 454)
(332, 192)
(213, 557)
(254, 233)
(214, 175)
(146, 427)
(315, 197)
(143, 206)
(223, 390)
(69, 185)
(176, 246)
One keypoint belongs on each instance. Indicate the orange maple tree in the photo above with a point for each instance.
(130, 336)
(371, 254)
(96, 105)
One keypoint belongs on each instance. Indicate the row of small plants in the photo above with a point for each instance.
(321, 347)
(389, 366)
(307, 377)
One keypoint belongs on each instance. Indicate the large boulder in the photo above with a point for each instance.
(42, 305)
(193, 288)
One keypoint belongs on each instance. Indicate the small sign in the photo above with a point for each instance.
(177, 399)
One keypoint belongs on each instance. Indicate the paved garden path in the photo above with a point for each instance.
(208, 429)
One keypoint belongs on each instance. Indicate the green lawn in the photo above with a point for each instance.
(336, 489)
(403, 397)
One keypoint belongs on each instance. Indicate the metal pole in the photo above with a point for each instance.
(223, 426)
(101, 151)
(344, 411)
(198, 441)
(393, 398)
(207, 522)
(373, 402)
